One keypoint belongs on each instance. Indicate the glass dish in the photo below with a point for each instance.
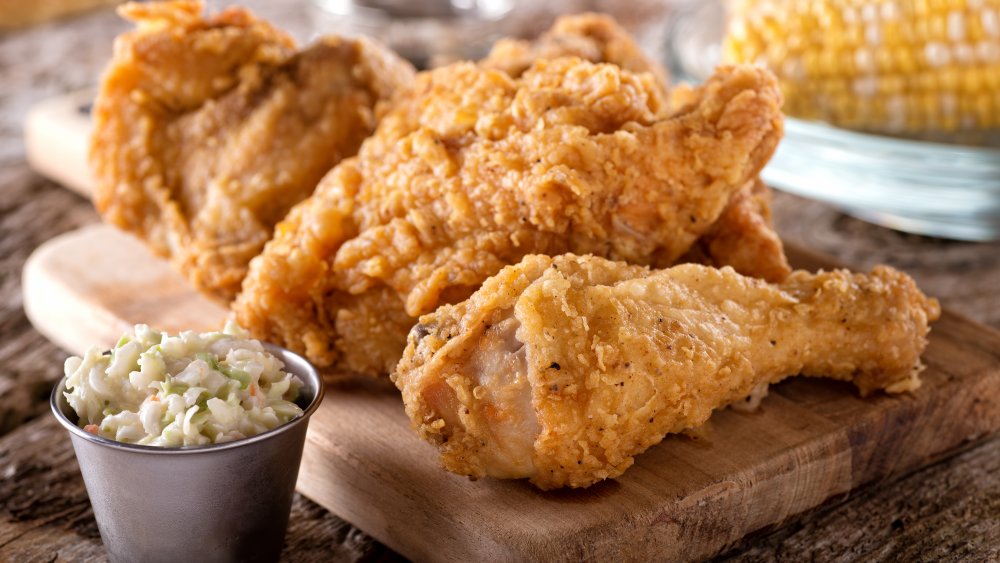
(427, 33)
(943, 190)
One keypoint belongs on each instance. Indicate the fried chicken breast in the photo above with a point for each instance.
(208, 130)
(744, 235)
(560, 370)
(475, 169)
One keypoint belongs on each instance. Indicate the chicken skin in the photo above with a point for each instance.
(475, 169)
(560, 370)
(744, 236)
(208, 130)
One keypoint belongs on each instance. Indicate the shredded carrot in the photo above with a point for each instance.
(92, 428)
(253, 389)
(154, 398)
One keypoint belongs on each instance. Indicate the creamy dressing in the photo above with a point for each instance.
(184, 390)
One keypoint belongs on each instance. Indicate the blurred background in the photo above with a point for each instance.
(894, 106)
(425, 31)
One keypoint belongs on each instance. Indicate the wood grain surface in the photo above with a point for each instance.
(947, 511)
(89, 286)
(683, 500)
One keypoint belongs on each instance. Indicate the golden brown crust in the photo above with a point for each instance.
(207, 130)
(617, 356)
(597, 38)
(744, 237)
(474, 169)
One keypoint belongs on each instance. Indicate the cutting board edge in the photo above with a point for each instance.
(95, 322)
(39, 297)
(57, 140)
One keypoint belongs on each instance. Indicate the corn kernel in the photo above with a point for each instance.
(972, 80)
(974, 29)
(938, 28)
(905, 60)
(948, 79)
(877, 64)
(884, 61)
(992, 77)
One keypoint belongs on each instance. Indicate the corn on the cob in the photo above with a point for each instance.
(893, 66)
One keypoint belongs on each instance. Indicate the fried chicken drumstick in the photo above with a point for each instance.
(560, 370)
(475, 169)
(208, 130)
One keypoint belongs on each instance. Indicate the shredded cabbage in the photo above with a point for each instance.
(184, 390)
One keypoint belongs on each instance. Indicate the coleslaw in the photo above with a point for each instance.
(184, 390)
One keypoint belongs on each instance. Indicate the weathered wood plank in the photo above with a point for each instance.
(945, 512)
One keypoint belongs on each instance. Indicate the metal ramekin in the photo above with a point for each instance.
(220, 502)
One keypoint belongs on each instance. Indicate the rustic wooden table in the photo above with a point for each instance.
(948, 511)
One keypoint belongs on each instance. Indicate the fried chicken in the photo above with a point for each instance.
(475, 169)
(592, 37)
(744, 236)
(560, 370)
(208, 130)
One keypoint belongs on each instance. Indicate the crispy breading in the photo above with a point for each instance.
(561, 370)
(592, 37)
(744, 237)
(208, 130)
(474, 169)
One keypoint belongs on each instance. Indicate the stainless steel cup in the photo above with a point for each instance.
(222, 502)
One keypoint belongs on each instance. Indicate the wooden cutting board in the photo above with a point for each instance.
(684, 499)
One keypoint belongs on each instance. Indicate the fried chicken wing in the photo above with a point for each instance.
(560, 370)
(208, 130)
(744, 236)
(476, 169)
